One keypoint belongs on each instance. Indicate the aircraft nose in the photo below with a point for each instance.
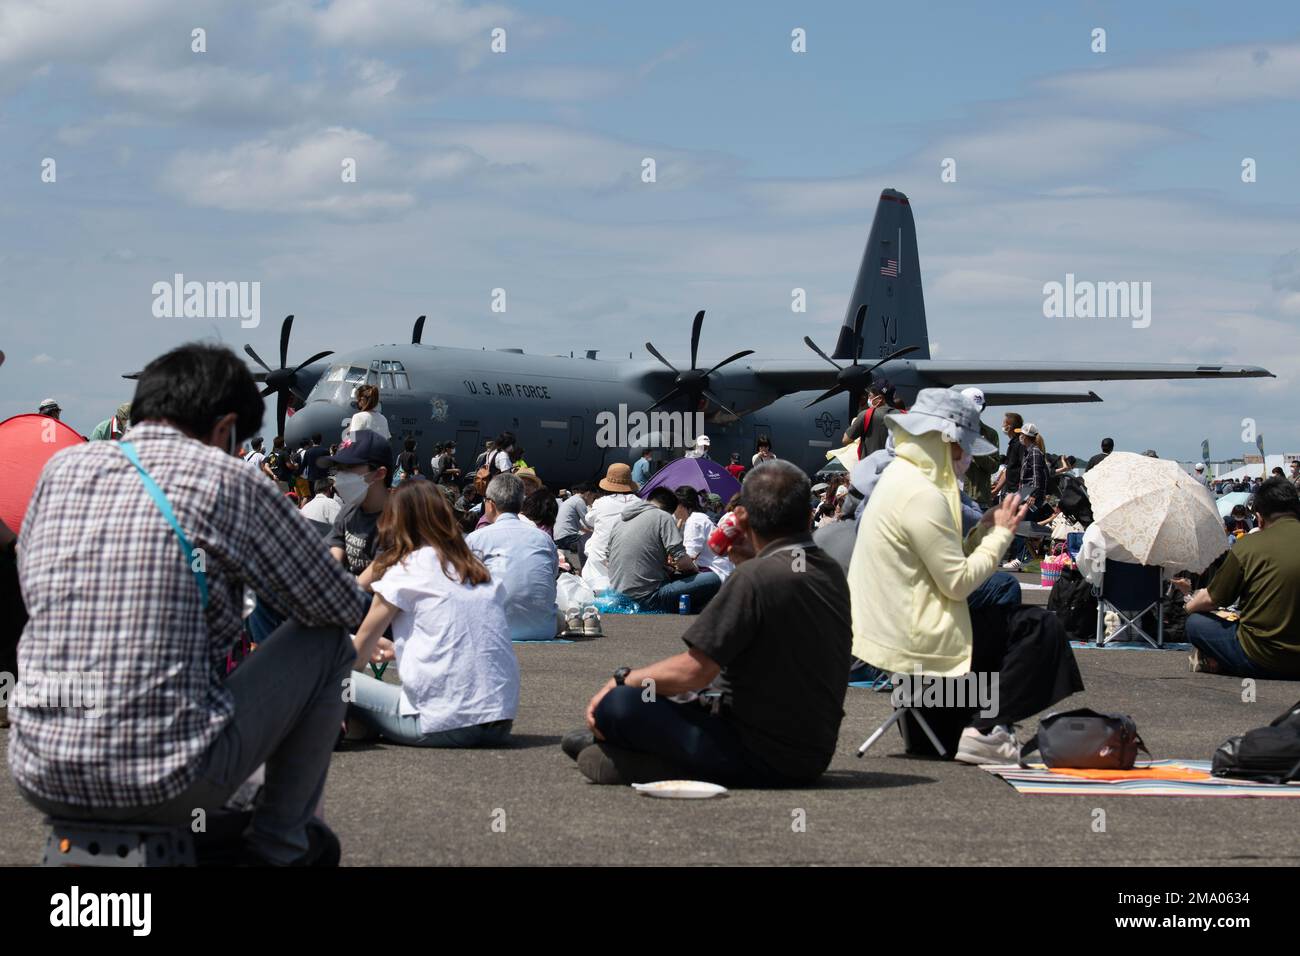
(321, 418)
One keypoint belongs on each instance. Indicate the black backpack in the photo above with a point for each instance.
(1265, 755)
(1075, 605)
(1074, 501)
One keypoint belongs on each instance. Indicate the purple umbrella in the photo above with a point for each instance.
(702, 474)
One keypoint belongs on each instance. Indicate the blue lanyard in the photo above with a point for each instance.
(165, 506)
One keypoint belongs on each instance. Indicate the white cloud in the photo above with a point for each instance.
(291, 173)
(1201, 79)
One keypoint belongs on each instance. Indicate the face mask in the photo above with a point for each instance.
(350, 487)
(962, 465)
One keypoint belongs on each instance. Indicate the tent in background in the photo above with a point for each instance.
(27, 442)
(702, 474)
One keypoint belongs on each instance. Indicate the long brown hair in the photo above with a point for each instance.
(417, 515)
(367, 397)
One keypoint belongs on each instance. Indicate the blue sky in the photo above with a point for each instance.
(521, 170)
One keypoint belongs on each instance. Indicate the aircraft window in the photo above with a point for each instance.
(386, 381)
(338, 383)
(400, 380)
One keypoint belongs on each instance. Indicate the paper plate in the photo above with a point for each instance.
(680, 789)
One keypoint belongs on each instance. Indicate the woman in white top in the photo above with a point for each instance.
(618, 490)
(696, 527)
(367, 417)
(763, 452)
(460, 676)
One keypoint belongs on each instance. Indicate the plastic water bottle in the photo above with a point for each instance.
(684, 604)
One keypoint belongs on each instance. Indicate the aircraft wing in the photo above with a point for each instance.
(1037, 398)
(972, 373)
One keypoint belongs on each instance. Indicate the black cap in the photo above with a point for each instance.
(366, 448)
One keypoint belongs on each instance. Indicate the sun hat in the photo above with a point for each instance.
(948, 412)
(619, 479)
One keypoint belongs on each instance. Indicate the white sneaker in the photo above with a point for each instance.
(1013, 565)
(999, 745)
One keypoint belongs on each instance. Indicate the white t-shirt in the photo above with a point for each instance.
(501, 462)
(367, 421)
(322, 508)
(602, 517)
(254, 460)
(452, 644)
(695, 538)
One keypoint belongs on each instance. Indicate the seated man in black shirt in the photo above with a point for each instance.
(774, 641)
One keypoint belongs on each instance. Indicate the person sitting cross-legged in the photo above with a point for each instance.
(774, 642)
(460, 677)
(521, 557)
(646, 547)
(1261, 575)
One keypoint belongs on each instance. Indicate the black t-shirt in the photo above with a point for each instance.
(409, 462)
(1014, 460)
(310, 470)
(356, 532)
(278, 462)
(1096, 460)
(781, 632)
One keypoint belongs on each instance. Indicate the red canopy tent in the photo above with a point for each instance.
(27, 442)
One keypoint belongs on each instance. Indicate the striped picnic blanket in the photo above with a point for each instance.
(1163, 778)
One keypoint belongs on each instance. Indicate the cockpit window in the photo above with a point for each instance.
(339, 383)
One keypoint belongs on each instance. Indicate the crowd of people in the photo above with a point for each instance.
(331, 559)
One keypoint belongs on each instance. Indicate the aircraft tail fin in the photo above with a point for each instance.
(889, 285)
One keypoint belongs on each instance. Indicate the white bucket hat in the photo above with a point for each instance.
(948, 412)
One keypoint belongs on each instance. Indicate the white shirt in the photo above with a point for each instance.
(524, 561)
(452, 643)
(254, 460)
(367, 421)
(695, 538)
(322, 508)
(501, 462)
(602, 517)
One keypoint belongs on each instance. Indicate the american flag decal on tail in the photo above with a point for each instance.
(889, 267)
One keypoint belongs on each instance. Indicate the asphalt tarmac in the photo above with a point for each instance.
(528, 805)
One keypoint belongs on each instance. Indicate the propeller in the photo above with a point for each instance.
(417, 333)
(853, 378)
(694, 382)
(284, 380)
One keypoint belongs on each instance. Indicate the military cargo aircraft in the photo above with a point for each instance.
(560, 408)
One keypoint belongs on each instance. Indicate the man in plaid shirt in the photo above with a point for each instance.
(112, 594)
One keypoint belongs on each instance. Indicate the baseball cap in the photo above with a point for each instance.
(703, 440)
(50, 404)
(1029, 429)
(366, 448)
(976, 395)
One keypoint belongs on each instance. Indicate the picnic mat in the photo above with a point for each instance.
(1130, 646)
(1163, 778)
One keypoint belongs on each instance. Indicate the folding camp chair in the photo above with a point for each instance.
(1130, 591)
(899, 713)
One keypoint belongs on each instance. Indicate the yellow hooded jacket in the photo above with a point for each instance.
(911, 571)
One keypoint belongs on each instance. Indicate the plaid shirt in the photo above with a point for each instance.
(110, 595)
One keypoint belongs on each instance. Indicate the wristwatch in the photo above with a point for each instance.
(620, 675)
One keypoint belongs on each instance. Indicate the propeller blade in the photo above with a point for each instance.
(829, 393)
(418, 332)
(655, 352)
(728, 360)
(266, 391)
(695, 335)
(315, 358)
(667, 398)
(281, 408)
(889, 358)
(285, 328)
(132, 375)
(256, 358)
(858, 321)
(813, 345)
(717, 401)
